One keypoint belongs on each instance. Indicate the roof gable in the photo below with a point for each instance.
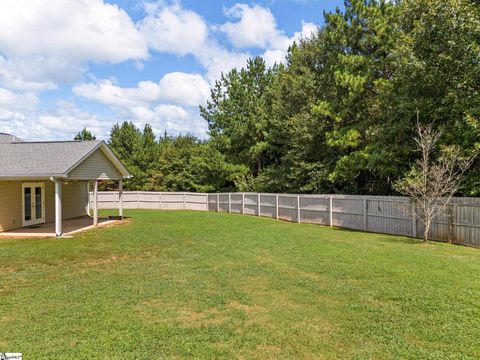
(49, 159)
(95, 166)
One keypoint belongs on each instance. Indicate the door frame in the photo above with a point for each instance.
(34, 220)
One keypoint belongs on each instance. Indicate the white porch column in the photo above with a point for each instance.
(120, 198)
(95, 203)
(58, 208)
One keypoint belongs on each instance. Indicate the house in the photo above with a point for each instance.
(48, 181)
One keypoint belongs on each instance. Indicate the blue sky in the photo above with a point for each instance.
(66, 65)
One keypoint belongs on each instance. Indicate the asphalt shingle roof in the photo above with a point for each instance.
(30, 159)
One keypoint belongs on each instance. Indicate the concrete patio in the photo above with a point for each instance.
(70, 227)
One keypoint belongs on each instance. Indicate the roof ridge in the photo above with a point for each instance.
(55, 141)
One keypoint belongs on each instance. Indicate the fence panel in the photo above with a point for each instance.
(459, 223)
(268, 205)
(251, 204)
(315, 209)
(348, 212)
(287, 207)
(390, 216)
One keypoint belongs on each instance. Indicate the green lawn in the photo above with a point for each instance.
(213, 285)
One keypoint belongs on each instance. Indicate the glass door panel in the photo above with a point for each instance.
(38, 203)
(27, 201)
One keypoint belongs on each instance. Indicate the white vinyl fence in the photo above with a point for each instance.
(152, 200)
(459, 224)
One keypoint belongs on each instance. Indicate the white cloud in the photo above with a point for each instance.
(172, 118)
(176, 30)
(173, 29)
(273, 57)
(256, 27)
(219, 60)
(184, 89)
(61, 123)
(68, 119)
(177, 87)
(45, 42)
(278, 55)
(308, 29)
(18, 101)
(171, 104)
(80, 30)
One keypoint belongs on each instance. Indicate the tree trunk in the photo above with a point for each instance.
(426, 230)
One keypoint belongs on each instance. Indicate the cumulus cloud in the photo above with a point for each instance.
(278, 55)
(173, 29)
(18, 101)
(169, 27)
(256, 27)
(62, 123)
(176, 87)
(171, 104)
(44, 42)
(47, 43)
(172, 118)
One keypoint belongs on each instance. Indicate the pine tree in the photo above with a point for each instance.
(84, 134)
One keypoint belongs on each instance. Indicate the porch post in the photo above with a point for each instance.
(120, 198)
(95, 203)
(58, 208)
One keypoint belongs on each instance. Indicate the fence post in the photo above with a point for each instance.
(451, 218)
(184, 204)
(138, 199)
(298, 209)
(218, 202)
(414, 222)
(365, 213)
(258, 204)
(243, 203)
(276, 206)
(229, 202)
(160, 201)
(331, 211)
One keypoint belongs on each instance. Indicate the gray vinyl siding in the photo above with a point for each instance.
(96, 166)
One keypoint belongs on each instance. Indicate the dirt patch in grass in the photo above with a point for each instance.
(247, 309)
(197, 319)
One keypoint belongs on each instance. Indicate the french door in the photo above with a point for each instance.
(33, 208)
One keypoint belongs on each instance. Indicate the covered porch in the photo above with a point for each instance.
(70, 227)
(49, 194)
(60, 225)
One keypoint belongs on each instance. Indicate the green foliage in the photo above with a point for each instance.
(181, 163)
(84, 135)
(238, 115)
(339, 116)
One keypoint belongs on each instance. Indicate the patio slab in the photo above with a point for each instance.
(70, 227)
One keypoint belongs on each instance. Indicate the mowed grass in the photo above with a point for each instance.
(184, 284)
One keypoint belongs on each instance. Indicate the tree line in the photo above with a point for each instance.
(339, 116)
